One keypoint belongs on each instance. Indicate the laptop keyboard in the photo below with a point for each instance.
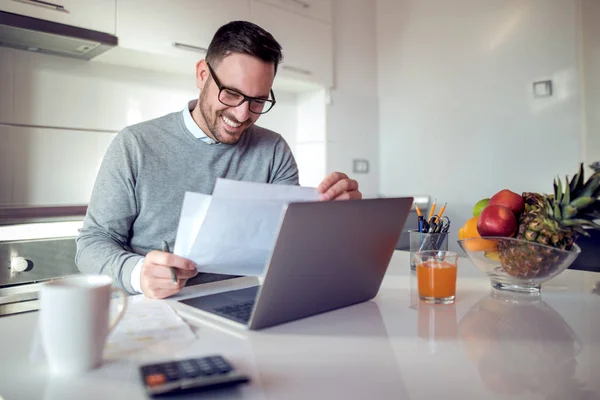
(239, 312)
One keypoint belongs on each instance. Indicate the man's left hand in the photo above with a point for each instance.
(337, 186)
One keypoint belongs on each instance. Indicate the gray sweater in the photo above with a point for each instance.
(139, 190)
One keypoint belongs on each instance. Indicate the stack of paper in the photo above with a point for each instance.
(233, 231)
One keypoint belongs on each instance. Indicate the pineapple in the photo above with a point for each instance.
(553, 220)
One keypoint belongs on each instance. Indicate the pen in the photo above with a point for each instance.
(419, 219)
(165, 248)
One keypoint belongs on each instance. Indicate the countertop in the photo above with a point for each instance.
(487, 345)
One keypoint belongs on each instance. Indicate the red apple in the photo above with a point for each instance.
(510, 200)
(497, 220)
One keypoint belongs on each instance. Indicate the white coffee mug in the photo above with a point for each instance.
(74, 315)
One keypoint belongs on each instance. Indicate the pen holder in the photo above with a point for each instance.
(424, 242)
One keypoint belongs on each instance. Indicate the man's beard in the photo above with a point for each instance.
(212, 121)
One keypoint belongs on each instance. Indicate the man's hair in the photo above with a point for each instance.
(243, 37)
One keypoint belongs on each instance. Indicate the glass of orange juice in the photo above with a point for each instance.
(436, 276)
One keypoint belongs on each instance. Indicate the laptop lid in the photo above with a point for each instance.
(328, 255)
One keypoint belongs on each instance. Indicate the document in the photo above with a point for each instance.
(234, 230)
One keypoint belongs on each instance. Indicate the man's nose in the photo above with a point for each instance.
(242, 112)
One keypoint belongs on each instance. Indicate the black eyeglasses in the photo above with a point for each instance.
(234, 98)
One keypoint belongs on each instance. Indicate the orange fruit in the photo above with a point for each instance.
(469, 231)
(470, 228)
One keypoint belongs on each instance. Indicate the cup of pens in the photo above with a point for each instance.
(431, 234)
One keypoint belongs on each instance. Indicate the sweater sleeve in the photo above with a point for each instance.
(102, 244)
(285, 169)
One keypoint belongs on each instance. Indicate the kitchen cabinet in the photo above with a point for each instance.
(307, 43)
(182, 28)
(98, 15)
(54, 166)
(6, 166)
(7, 87)
(317, 9)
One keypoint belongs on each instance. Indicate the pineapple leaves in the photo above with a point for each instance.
(592, 186)
(577, 181)
(579, 223)
(582, 202)
(567, 196)
(568, 212)
(558, 192)
(556, 214)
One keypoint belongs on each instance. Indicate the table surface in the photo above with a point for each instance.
(487, 345)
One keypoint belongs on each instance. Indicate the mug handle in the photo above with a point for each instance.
(122, 308)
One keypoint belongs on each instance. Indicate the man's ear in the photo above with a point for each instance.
(202, 74)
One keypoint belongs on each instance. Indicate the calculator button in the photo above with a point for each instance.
(155, 380)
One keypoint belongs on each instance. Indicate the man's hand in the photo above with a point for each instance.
(155, 278)
(337, 186)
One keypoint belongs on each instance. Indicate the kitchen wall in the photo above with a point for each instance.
(458, 119)
(58, 115)
(590, 14)
(353, 112)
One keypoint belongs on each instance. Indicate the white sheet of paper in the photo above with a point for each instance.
(234, 230)
(194, 209)
(147, 324)
(237, 236)
(251, 190)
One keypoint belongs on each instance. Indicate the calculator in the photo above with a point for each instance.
(192, 374)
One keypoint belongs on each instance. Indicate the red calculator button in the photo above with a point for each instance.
(155, 379)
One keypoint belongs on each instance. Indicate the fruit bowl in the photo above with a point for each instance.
(517, 265)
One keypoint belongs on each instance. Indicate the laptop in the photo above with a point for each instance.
(327, 255)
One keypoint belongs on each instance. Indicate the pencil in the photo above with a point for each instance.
(441, 212)
(418, 210)
(432, 209)
(165, 248)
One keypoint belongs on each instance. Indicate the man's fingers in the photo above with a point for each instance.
(161, 293)
(163, 272)
(341, 188)
(355, 195)
(330, 180)
(164, 258)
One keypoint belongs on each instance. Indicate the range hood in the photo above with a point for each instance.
(33, 34)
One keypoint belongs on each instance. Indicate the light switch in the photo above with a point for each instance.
(360, 166)
(542, 88)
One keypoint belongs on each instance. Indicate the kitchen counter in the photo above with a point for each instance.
(487, 345)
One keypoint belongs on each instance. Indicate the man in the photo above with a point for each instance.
(139, 190)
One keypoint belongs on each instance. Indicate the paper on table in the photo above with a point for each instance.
(233, 232)
(145, 324)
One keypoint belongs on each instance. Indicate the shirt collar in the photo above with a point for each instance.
(192, 126)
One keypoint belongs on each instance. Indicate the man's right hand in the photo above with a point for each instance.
(155, 279)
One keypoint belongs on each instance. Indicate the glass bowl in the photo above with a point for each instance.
(517, 265)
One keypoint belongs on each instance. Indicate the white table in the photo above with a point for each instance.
(393, 347)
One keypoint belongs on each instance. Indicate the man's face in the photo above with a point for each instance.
(243, 73)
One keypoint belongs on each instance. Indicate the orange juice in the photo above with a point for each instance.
(436, 279)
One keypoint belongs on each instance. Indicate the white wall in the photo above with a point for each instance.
(591, 82)
(58, 115)
(352, 116)
(457, 117)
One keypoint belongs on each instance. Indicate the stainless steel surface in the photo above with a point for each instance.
(19, 307)
(33, 34)
(25, 215)
(47, 259)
